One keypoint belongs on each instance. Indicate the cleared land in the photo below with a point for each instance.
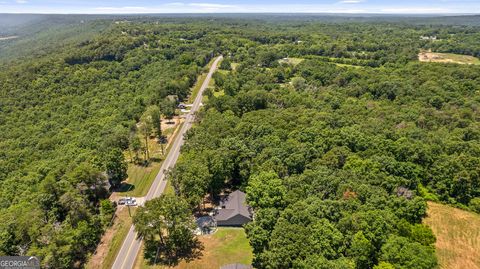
(7, 37)
(292, 61)
(447, 58)
(458, 236)
(226, 246)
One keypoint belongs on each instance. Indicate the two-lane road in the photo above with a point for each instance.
(131, 246)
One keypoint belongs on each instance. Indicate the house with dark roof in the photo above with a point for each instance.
(233, 210)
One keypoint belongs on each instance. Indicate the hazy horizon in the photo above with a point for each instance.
(408, 7)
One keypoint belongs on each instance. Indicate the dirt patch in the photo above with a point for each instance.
(447, 58)
(458, 236)
(168, 124)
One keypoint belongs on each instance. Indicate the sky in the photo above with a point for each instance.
(239, 6)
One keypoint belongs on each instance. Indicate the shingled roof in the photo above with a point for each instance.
(232, 205)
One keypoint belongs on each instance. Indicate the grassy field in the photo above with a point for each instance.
(141, 178)
(226, 246)
(292, 61)
(458, 236)
(169, 188)
(347, 65)
(447, 58)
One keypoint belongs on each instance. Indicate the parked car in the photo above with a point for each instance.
(121, 201)
(130, 201)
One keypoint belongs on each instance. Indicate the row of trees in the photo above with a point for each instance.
(150, 123)
(166, 226)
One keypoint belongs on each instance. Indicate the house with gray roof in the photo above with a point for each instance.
(233, 210)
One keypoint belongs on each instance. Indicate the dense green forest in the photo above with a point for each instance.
(65, 118)
(337, 151)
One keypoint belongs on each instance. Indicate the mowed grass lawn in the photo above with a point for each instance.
(141, 178)
(226, 246)
(458, 236)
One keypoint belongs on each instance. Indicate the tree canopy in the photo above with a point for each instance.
(333, 128)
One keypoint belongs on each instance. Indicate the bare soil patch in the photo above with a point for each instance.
(447, 58)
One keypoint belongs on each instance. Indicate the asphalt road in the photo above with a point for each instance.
(131, 246)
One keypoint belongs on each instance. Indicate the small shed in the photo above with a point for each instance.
(233, 210)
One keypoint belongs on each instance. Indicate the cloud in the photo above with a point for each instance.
(419, 10)
(351, 1)
(210, 5)
(172, 7)
(189, 6)
(175, 4)
(122, 9)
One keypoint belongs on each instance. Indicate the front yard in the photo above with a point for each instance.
(225, 246)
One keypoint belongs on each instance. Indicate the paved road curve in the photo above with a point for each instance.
(131, 246)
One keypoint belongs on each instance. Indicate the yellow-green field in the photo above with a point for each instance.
(225, 246)
(234, 66)
(292, 61)
(447, 58)
(458, 236)
(347, 65)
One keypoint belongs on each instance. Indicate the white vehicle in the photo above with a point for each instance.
(130, 201)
